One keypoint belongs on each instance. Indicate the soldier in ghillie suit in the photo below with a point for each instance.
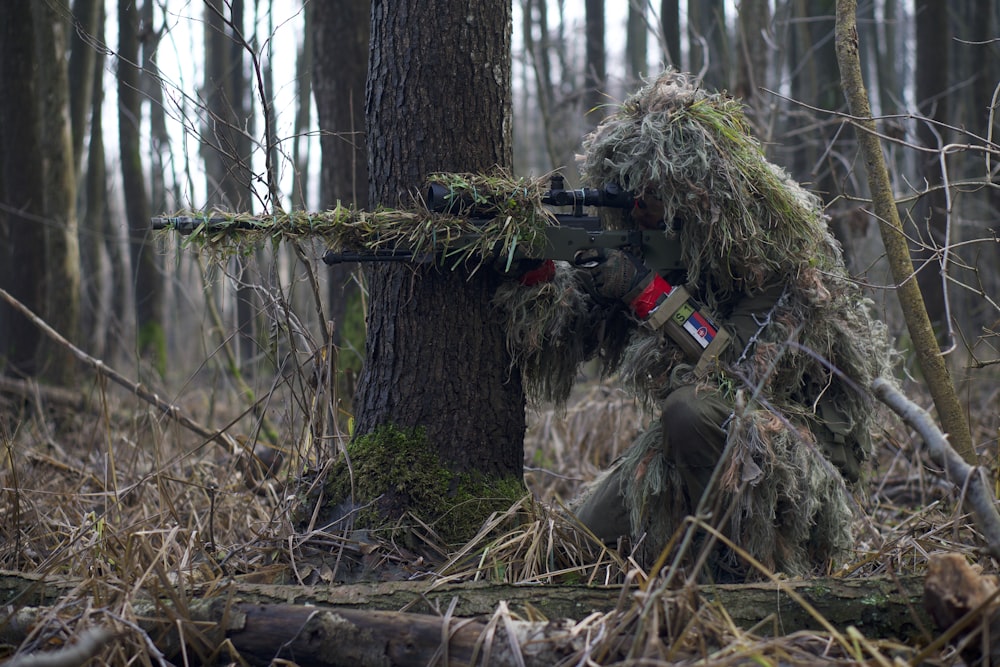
(758, 356)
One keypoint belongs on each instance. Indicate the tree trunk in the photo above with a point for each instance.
(815, 84)
(752, 73)
(596, 76)
(979, 55)
(226, 149)
(436, 359)
(149, 287)
(930, 215)
(918, 323)
(62, 249)
(637, 42)
(709, 43)
(343, 27)
(303, 111)
(22, 251)
(538, 50)
(670, 24)
(94, 223)
(87, 16)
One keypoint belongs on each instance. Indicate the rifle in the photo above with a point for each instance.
(574, 232)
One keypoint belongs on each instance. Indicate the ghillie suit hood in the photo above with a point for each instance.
(746, 229)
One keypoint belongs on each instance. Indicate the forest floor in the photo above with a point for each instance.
(100, 489)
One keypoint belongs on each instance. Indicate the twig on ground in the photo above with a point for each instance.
(86, 647)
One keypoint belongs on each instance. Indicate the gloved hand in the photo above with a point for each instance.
(616, 275)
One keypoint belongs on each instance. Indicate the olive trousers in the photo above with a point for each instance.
(694, 437)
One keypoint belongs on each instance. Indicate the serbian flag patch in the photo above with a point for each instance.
(696, 324)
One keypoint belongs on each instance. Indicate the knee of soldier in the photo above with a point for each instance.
(692, 431)
(679, 411)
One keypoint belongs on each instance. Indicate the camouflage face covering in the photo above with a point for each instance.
(745, 220)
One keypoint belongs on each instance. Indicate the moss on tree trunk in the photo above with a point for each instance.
(395, 476)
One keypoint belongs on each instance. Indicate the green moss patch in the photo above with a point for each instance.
(395, 474)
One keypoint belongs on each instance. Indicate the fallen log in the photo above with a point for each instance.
(407, 621)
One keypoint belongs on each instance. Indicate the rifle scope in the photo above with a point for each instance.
(441, 200)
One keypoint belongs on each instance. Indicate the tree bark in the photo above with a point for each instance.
(637, 42)
(918, 322)
(226, 148)
(62, 249)
(87, 15)
(754, 20)
(931, 214)
(435, 353)
(95, 226)
(22, 252)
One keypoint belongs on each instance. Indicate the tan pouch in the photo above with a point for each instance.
(691, 327)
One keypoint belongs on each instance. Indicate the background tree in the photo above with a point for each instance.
(227, 146)
(435, 353)
(637, 42)
(709, 55)
(341, 34)
(149, 283)
(977, 64)
(596, 75)
(22, 218)
(86, 95)
(62, 251)
(753, 62)
(46, 216)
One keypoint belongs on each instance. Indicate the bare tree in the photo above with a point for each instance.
(709, 43)
(227, 144)
(918, 322)
(22, 216)
(149, 287)
(670, 25)
(637, 41)
(342, 26)
(753, 62)
(930, 216)
(596, 76)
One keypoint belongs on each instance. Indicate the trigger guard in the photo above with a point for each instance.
(585, 264)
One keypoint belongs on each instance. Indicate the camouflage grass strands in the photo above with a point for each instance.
(492, 214)
(745, 218)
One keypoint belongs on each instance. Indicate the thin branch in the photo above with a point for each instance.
(168, 409)
(978, 495)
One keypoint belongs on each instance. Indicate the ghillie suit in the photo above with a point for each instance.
(798, 369)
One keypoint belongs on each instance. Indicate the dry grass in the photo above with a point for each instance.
(122, 501)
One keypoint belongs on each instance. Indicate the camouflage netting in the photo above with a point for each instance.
(485, 215)
(746, 227)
